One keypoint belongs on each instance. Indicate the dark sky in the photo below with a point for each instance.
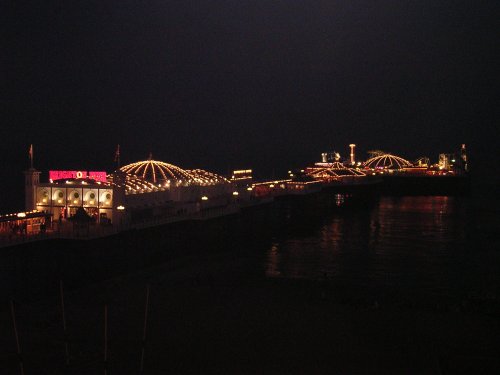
(266, 85)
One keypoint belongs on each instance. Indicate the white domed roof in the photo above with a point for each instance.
(162, 174)
(157, 172)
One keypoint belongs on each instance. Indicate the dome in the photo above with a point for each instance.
(157, 172)
(387, 161)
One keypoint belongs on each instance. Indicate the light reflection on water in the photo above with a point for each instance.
(407, 240)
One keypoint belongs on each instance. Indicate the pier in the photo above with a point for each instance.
(87, 205)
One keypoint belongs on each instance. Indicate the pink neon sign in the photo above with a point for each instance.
(92, 175)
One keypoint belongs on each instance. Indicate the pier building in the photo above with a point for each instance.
(142, 189)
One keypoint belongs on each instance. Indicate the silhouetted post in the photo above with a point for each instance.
(105, 339)
(18, 346)
(145, 328)
(66, 349)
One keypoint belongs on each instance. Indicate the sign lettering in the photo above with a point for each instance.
(66, 175)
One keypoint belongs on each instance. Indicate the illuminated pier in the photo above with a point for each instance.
(90, 204)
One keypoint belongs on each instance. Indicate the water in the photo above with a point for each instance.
(412, 247)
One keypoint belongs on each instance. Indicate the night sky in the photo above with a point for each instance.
(222, 85)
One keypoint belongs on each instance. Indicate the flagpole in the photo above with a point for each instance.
(117, 156)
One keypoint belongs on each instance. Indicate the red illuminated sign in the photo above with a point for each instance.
(92, 175)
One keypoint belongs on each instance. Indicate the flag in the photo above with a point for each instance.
(31, 154)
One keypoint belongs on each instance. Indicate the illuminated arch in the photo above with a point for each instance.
(43, 196)
(75, 198)
(106, 198)
(387, 161)
(90, 198)
(58, 197)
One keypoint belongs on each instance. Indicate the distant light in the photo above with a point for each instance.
(204, 198)
(236, 193)
(75, 201)
(249, 188)
(271, 186)
(21, 214)
(121, 208)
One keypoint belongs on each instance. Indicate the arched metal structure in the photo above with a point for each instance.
(422, 161)
(387, 161)
(332, 171)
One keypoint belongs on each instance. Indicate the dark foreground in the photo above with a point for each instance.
(202, 322)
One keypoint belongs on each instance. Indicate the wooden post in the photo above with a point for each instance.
(145, 328)
(18, 346)
(66, 349)
(105, 339)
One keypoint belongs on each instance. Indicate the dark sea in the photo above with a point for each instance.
(427, 248)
